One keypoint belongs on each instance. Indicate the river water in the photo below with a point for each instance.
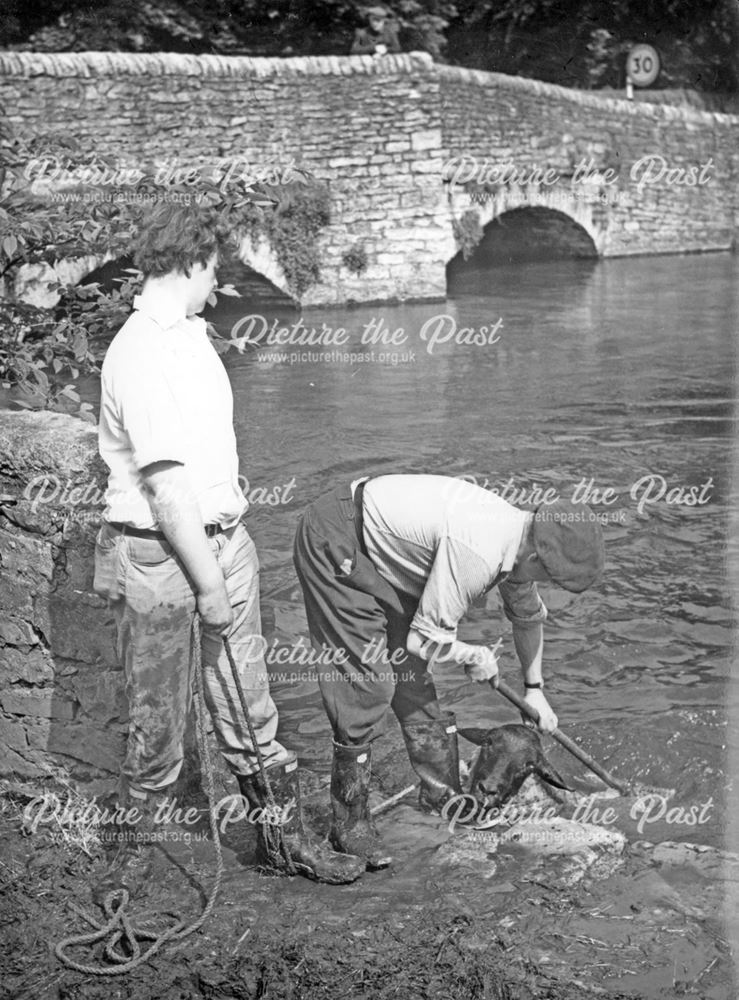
(614, 375)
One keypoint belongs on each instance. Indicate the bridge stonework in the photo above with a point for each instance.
(387, 134)
(639, 178)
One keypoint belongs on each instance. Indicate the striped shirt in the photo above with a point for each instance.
(446, 542)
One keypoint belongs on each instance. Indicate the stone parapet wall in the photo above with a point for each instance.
(62, 707)
(698, 99)
(96, 64)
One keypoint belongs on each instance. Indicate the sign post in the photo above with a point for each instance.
(642, 68)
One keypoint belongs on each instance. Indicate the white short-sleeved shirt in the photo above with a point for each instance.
(165, 396)
(446, 542)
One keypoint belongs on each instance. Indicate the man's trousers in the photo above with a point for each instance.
(154, 606)
(359, 624)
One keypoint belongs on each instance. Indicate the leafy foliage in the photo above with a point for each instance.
(355, 258)
(280, 27)
(292, 226)
(582, 43)
(467, 232)
(60, 202)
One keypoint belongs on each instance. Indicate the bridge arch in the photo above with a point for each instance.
(567, 223)
(261, 273)
(258, 254)
(36, 284)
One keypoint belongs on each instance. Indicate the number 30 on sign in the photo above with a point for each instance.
(642, 65)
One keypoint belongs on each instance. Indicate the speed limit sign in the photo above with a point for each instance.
(642, 65)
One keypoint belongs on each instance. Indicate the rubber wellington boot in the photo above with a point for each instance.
(284, 839)
(434, 754)
(353, 831)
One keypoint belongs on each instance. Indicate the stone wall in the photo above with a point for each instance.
(498, 119)
(369, 127)
(379, 131)
(62, 707)
(701, 100)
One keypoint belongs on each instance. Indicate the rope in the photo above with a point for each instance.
(275, 842)
(118, 931)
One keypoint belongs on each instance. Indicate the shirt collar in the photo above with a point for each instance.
(166, 311)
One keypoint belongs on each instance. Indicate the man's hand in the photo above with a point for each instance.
(547, 719)
(481, 663)
(215, 608)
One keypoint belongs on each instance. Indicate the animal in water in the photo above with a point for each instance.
(507, 756)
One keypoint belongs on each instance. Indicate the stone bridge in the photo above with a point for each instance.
(419, 157)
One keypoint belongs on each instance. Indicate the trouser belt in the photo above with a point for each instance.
(127, 529)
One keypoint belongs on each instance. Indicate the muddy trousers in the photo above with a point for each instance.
(154, 607)
(359, 624)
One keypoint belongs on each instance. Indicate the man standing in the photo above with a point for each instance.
(379, 37)
(388, 568)
(172, 545)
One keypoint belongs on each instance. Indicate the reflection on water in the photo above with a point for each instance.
(613, 376)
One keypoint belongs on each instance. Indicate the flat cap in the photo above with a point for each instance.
(568, 539)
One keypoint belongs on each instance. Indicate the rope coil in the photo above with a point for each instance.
(118, 930)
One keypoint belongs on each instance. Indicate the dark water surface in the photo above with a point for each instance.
(610, 371)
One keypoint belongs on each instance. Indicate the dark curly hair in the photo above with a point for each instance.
(173, 237)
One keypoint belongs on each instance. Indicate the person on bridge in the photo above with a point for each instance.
(388, 567)
(379, 37)
(172, 546)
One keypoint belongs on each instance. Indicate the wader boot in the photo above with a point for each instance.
(282, 830)
(353, 831)
(434, 754)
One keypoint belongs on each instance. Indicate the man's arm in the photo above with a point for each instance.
(529, 643)
(479, 661)
(457, 575)
(391, 39)
(363, 44)
(175, 509)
